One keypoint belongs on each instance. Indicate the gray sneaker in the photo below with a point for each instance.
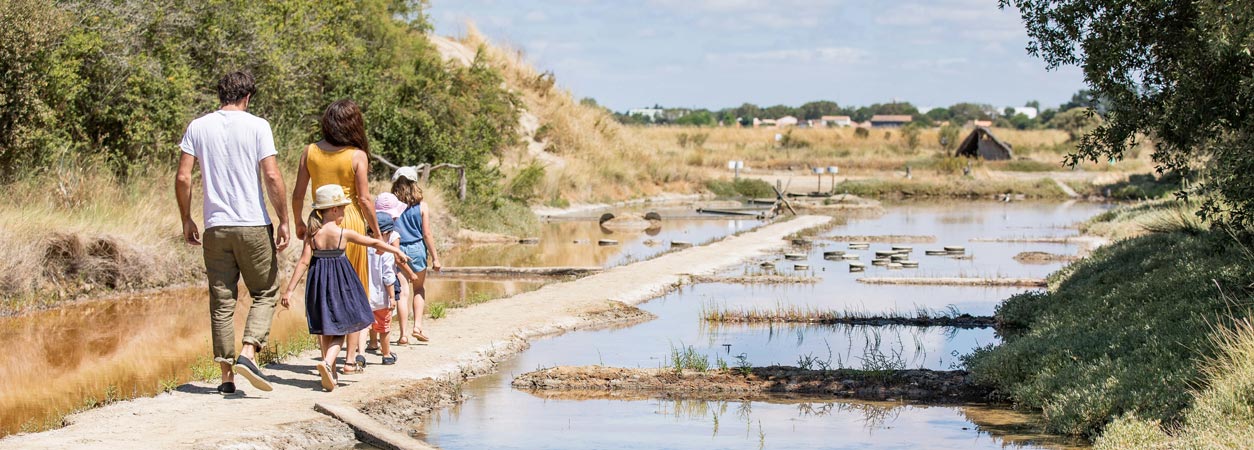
(245, 367)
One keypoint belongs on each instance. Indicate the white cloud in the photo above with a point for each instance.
(837, 55)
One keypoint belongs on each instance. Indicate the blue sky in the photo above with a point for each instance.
(721, 53)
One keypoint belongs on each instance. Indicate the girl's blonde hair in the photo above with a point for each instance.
(407, 191)
(314, 224)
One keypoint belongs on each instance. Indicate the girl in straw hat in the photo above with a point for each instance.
(335, 300)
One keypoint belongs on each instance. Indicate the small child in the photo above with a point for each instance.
(386, 203)
(335, 300)
(382, 297)
(414, 228)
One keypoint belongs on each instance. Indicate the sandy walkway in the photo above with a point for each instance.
(195, 417)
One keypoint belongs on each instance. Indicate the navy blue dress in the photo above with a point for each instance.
(335, 300)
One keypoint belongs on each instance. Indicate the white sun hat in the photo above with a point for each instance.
(330, 196)
(405, 172)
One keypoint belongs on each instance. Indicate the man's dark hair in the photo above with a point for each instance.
(234, 86)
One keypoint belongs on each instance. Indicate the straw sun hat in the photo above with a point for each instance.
(330, 196)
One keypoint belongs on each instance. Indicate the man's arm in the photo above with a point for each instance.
(183, 192)
(277, 192)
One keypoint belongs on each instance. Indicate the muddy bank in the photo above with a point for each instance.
(958, 281)
(886, 238)
(1042, 258)
(756, 279)
(917, 385)
(832, 318)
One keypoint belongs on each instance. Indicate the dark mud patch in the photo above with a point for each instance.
(756, 279)
(955, 386)
(885, 238)
(830, 318)
(957, 281)
(1042, 258)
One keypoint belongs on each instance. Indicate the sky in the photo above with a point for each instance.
(721, 53)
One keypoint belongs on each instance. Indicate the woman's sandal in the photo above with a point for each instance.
(390, 359)
(402, 341)
(420, 337)
(327, 374)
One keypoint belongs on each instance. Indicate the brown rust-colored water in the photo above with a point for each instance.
(130, 346)
(125, 347)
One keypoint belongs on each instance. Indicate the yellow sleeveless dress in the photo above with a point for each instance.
(337, 168)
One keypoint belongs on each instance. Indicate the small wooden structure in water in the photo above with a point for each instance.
(981, 143)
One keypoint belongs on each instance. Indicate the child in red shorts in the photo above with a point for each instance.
(382, 297)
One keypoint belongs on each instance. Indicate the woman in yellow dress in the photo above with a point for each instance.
(342, 157)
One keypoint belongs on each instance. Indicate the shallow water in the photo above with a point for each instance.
(128, 346)
(497, 416)
(575, 244)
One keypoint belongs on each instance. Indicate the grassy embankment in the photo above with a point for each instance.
(1153, 329)
(874, 164)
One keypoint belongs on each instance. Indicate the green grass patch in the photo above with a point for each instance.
(1124, 331)
(500, 215)
(740, 187)
(954, 187)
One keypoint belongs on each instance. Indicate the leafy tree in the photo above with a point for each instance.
(962, 113)
(817, 109)
(938, 114)
(1176, 71)
(700, 118)
(777, 111)
(1077, 122)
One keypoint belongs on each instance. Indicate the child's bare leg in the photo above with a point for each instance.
(420, 301)
(385, 347)
(352, 343)
(402, 310)
(331, 349)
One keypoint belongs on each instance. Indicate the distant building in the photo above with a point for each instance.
(1028, 111)
(980, 123)
(786, 121)
(837, 121)
(890, 121)
(652, 113)
(982, 144)
(766, 122)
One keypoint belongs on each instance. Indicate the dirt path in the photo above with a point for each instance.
(468, 341)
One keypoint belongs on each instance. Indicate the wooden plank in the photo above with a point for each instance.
(369, 430)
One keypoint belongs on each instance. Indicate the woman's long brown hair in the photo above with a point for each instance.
(343, 125)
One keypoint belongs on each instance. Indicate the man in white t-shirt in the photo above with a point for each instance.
(235, 151)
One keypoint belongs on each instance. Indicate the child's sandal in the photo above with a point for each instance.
(390, 359)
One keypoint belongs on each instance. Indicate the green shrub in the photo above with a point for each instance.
(114, 84)
(741, 187)
(1121, 332)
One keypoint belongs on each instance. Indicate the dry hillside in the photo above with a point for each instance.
(585, 155)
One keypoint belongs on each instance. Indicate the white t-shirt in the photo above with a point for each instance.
(382, 277)
(230, 146)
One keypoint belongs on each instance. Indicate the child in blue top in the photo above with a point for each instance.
(414, 228)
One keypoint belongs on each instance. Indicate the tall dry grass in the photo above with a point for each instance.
(588, 156)
(77, 231)
(880, 149)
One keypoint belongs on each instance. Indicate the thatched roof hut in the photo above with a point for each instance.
(981, 143)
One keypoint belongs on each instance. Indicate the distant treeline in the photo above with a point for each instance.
(113, 83)
(959, 113)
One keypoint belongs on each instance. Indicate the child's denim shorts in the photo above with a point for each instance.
(417, 253)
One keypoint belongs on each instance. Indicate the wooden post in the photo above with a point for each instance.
(461, 183)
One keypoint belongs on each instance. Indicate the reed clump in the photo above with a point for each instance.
(921, 316)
